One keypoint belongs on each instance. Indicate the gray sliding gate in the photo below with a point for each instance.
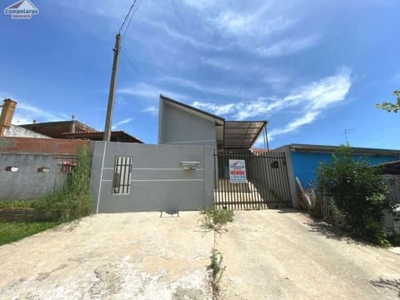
(251, 180)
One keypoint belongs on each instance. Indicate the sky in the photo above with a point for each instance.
(313, 69)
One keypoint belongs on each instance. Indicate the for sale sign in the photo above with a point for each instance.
(237, 171)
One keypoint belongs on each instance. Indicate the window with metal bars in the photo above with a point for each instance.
(122, 175)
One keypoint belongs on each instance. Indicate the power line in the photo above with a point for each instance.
(138, 72)
(133, 13)
(127, 15)
(131, 63)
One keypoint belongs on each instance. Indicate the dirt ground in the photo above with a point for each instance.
(268, 254)
(271, 254)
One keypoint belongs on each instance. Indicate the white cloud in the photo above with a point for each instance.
(288, 46)
(200, 4)
(153, 110)
(149, 91)
(329, 90)
(122, 122)
(222, 63)
(178, 35)
(309, 101)
(249, 20)
(316, 97)
(221, 110)
(231, 92)
(26, 113)
(140, 89)
(309, 117)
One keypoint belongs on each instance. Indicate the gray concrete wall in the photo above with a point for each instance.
(17, 131)
(179, 127)
(27, 182)
(158, 182)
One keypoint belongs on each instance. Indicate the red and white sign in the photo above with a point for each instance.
(237, 171)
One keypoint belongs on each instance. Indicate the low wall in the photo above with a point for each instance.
(30, 167)
(19, 215)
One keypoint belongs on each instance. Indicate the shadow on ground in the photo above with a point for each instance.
(332, 232)
(391, 284)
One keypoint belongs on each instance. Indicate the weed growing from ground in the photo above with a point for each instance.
(215, 219)
(217, 269)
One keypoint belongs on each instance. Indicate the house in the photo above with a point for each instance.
(181, 124)
(189, 168)
(264, 181)
(304, 159)
(74, 129)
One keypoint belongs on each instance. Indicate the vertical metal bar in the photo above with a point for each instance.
(276, 182)
(266, 136)
(261, 180)
(226, 177)
(247, 186)
(242, 191)
(265, 165)
(286, 176)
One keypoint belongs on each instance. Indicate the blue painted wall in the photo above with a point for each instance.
(305, 164)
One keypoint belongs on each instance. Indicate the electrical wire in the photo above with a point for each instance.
(127, 15)
(138, 72)
(132, 14)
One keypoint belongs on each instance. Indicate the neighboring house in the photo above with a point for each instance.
(303, 160)
(18, 131)
(74, 129)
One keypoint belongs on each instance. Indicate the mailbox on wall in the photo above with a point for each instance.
(189, 165)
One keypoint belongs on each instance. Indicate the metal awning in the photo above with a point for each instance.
(242, 134)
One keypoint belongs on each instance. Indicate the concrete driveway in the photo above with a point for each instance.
(268, 255)
(271, 254)
(111, 256)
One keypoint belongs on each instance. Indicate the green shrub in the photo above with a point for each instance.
(358, 192)
(74, 199)
(215, 219)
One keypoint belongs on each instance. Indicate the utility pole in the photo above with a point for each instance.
(110, 107)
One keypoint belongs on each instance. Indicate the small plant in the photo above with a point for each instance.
(217, 269)
(215, 219)
(74, 199)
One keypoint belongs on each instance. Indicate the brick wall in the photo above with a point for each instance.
(42, 146)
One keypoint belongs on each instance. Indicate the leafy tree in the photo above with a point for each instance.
(388, 106)
(358, 191)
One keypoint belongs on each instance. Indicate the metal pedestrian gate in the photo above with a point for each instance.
(248, 179)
